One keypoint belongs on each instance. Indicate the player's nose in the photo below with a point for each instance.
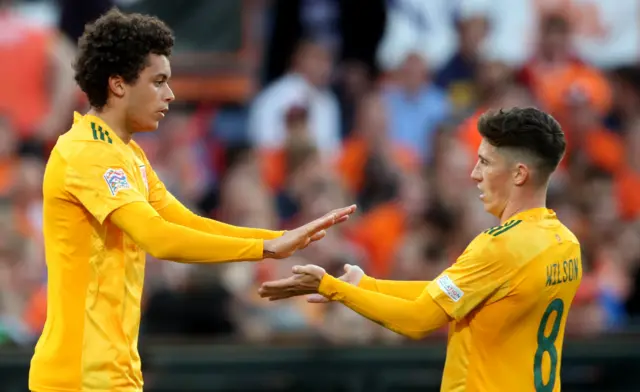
(169, 96)
(476, 175)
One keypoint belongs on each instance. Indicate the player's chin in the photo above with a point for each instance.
(149, 126)
(486, 203)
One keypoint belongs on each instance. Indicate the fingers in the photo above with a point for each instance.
(342, 214)
(319, 235)
(342, 219)
(320, 224)
(278, 284)
(316, 299)
(308, 269)
(277, 297)
(280, 292)
(344, 211)
(345, 276)
(334, 217)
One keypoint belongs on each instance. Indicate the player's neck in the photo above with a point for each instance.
(115, 121)
(522, 204)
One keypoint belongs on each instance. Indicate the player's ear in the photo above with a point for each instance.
(116, 86)
(521, 174)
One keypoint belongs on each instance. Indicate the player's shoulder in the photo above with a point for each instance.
(87, 141)
(523, 237)
(507, 232)
(505, 238)
(567, 235)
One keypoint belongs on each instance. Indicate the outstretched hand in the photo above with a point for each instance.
(305, 280)
(352, 275)
(291, 241)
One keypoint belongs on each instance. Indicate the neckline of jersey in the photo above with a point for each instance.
(79, 117)
(537, 213)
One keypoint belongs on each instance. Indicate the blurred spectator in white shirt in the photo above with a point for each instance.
(306, 84)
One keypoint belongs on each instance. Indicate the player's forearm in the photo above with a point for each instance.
(407, 289)
(413, 318)
(169, 241)
(177, 213)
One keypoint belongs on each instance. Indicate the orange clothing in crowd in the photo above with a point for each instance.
(24, 96)
(354, 156)
(273, 165)
(8, 174)
(551, 85)
(379, 232)
(468, 133)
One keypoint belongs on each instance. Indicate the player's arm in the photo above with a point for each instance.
(173, 211)
(176, 212)
(407, 289)
(169, 241)
(99, 178)
(413, 318)
(354, 275)
(479, 273)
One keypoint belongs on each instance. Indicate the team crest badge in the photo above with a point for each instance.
(116, 180)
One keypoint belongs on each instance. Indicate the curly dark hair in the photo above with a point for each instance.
(526, 131)
(118, 44)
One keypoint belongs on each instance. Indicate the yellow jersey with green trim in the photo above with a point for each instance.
(95, 271)
(509, 294)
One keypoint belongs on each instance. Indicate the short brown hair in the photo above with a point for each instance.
(528, 130)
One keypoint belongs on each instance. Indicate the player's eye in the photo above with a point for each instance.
(159, 83)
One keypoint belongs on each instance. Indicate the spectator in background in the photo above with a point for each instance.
(371, 160)
(277, 164)
(306, 84)
(496, 87)
(458, 74)
(8, 157)
(352, 28)
(354, 80)
(590, 143)
(12, 327)
(415, 105)
(75, 14)
(38, 91)
(381, 231)
(417, 26)
(626, 83)
(554, 69)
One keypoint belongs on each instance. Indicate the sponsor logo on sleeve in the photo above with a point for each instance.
(449, 288)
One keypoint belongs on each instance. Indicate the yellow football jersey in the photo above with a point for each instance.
(95, 271)
(509, 294)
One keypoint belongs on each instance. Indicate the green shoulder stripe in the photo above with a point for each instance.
(492, 229)
(506, 227)
(99, 134)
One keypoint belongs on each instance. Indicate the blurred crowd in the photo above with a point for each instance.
(374, 105)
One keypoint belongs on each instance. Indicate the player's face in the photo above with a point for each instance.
(149, 97)
(493, 175)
